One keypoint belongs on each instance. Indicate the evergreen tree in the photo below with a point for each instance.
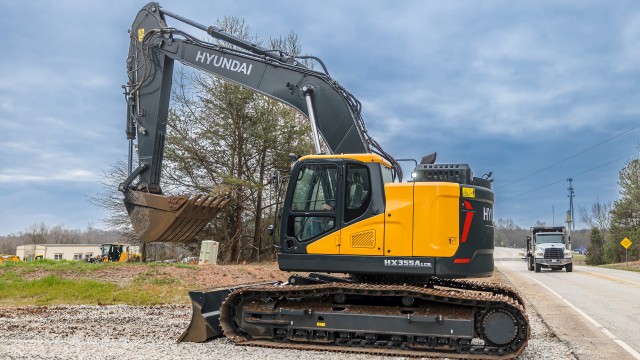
(625, 216)
(595, 255)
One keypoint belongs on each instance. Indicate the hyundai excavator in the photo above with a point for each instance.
(407, 247)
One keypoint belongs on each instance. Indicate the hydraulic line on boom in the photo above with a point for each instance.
(334, 113)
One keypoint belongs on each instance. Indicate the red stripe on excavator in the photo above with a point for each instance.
(467, 221)
(461, 261)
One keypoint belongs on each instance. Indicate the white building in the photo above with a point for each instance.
(58, 251)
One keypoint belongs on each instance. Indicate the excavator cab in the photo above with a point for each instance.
(343, 213)
(111, 252)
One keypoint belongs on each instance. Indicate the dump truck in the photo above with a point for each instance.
(406, 247)
(549, 247)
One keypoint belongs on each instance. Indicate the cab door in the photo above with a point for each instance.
(362, 207)
(311, 215)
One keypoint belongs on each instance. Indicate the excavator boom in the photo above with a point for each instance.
(154, 46)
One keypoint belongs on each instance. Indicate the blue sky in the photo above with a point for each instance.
(509, 87)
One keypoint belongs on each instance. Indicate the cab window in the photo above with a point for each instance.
(387, 175)
(357, 191)
(315, 195)
(315, 188)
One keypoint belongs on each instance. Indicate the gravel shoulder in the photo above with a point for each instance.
(150, 332)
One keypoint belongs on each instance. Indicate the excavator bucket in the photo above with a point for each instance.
(171, 218)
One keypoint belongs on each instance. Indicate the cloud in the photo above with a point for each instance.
(499, 84)
(51, 203)
(516, 78)
(66, 175)
(627, 57)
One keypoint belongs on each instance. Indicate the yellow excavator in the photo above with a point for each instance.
(8, 258)
(406, 246)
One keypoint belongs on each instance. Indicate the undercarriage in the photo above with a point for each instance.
(461, 319)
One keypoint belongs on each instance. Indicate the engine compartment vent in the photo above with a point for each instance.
(365, 239)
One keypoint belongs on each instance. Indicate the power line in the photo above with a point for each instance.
(570, 157)
(575, 175)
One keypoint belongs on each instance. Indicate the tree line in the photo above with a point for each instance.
(610, 223)
(42, 234)
(509, 234)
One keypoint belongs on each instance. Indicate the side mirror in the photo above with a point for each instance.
(270, 230)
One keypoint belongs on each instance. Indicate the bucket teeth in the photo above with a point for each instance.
(158, 218)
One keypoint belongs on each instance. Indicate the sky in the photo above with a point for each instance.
(534, 91)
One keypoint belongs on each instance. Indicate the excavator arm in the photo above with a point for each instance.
(334, 113)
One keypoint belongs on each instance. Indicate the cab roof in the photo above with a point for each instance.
(358, 157)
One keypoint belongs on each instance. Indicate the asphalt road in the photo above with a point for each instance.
(596, 311)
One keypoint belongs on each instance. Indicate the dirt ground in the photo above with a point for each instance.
(191, 277)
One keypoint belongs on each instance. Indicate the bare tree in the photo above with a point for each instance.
(37, 233)
(222, 135)
(110, 199)
(597, 217)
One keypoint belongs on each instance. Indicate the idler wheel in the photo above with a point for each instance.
(499, 327)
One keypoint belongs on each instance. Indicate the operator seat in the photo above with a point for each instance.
(356, 193)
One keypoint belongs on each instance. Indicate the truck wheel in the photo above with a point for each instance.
(538, 267)
(569, 267)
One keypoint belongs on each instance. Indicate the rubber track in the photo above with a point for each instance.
(455, 292)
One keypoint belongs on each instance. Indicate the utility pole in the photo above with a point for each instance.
(570, 223)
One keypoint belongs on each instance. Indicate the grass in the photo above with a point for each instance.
(580, 259)
(631, 266)
(54, 265)
(19, 287)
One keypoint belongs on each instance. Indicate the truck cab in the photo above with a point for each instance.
(549, 247)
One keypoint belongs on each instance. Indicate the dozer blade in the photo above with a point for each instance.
(170, 218)
(205, 318)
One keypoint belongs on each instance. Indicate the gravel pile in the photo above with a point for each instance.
(150, 332)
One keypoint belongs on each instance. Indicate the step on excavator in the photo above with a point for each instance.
(410, 249)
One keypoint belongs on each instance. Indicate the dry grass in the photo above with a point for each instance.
(631, 266)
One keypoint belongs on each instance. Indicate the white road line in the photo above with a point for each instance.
(627, 348)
